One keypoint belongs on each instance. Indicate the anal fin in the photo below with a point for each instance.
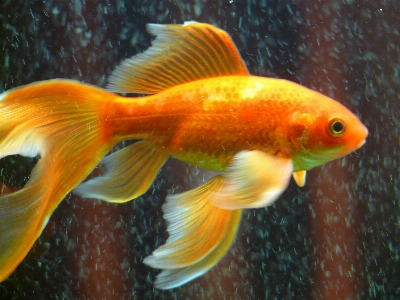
(129, 173)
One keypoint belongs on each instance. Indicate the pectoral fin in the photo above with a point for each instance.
(129, 173)
(254, 179)
(201, 229)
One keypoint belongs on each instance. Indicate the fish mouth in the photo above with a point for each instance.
(363, 136)
(360, 144)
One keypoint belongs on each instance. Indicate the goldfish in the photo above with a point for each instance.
(201, 106)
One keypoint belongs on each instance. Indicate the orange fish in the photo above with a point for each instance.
(203, 108)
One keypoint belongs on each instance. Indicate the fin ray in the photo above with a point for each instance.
(203, 222)
(200, 235)
(171, 278)
(59, 121)
(19, 213)
(180, 54)
(129, 173)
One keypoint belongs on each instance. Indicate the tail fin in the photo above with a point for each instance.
(60, 121)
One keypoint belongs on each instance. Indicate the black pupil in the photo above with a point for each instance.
(337, 126)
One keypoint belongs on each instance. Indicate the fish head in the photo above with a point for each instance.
(319, 131)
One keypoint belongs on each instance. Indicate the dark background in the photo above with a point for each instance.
(336, 238)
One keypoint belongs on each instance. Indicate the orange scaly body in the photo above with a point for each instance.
(207, 122)
(204, 108)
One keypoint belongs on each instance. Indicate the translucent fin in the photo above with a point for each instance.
(129, 173)
(20, 225)
(59, 121)
(300, 177)
(200, 235)
(180, 54)
(203, 222)
(254, 179)
(171, 278)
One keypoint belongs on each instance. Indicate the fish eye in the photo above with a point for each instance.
(336, 127)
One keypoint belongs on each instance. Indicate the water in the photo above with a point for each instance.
(336, 238)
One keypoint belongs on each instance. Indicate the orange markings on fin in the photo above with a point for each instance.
(129, 173)
(59, 121)
(200, 231)
(199, 235)
(300, 177)
(179, 54)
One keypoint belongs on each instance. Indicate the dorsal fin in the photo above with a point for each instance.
(180, 54)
